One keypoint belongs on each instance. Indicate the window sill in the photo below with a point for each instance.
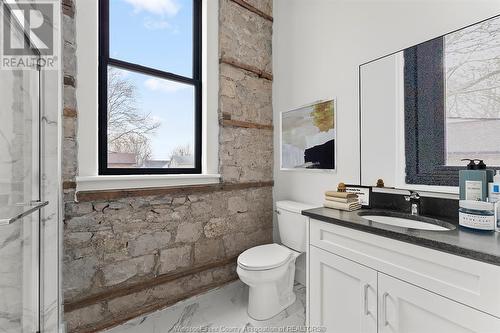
(100, 183)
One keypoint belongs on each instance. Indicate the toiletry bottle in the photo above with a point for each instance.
(494, 196)
(488, 173)
(474, 181)
(494, 188)
(477, 215)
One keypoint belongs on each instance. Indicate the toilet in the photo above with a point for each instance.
(269, 270)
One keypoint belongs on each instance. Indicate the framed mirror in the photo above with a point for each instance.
(427, 107)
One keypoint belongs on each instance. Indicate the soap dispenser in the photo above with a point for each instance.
(474, 181)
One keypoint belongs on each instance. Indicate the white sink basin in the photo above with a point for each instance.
(404, 223)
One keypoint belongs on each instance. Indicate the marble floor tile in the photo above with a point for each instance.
(221, 310)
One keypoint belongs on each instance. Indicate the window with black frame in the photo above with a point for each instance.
(452, 103)
(150, 87)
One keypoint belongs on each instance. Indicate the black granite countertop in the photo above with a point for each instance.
(477, 245)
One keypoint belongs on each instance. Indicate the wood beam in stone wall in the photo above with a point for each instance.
(108, 195)
(254, 10)
(125, 297)
(119, 291)
(238, 64)
(245, 124)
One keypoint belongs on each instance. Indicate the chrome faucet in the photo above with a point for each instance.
(414, 200)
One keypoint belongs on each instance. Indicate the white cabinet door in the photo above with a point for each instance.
(343, 294)
(464, 280)
(405, 308)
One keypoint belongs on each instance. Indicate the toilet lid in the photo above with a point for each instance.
(264, 257)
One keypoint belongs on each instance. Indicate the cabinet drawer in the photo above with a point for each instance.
(464, 280)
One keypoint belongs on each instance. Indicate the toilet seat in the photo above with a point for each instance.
(264, 257)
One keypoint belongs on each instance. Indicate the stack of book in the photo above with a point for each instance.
(342, 201)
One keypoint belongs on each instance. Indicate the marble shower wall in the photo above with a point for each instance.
(18, 184)
(30, 170)
(127, 253)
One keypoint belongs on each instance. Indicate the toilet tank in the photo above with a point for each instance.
(292, 224)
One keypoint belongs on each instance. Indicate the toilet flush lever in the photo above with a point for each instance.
(277, 211)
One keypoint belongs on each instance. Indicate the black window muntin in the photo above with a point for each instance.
(196, 81)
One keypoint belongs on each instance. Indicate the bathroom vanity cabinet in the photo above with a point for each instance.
(359, 282)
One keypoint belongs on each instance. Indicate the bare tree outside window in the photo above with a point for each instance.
(182, 156)
(132, 129)
(129, 129)
(472, 69)
(181, 151)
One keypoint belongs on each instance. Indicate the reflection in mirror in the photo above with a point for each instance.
(472, 76)
(429, 106)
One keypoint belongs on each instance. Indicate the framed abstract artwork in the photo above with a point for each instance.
(308, 136)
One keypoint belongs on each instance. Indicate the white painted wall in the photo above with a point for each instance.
(318, 46)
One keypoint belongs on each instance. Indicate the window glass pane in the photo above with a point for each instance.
(155, 34)
(472, 65)
(150, 121)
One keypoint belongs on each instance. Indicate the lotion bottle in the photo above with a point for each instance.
(474, 181)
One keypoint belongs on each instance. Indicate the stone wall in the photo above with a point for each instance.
(69, 149)
(131, 252)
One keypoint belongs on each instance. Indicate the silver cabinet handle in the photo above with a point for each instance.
(384, 308)
(365, 292)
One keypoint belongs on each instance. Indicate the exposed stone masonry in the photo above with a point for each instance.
(105, 239)
(245, 154)
(244, 36)
(125, 242)
(69, 146)
(245, 96)
(264, 6)
(130, 255)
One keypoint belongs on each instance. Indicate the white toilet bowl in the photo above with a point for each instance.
(269, 271)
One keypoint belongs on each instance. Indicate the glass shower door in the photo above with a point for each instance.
(19, 200)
